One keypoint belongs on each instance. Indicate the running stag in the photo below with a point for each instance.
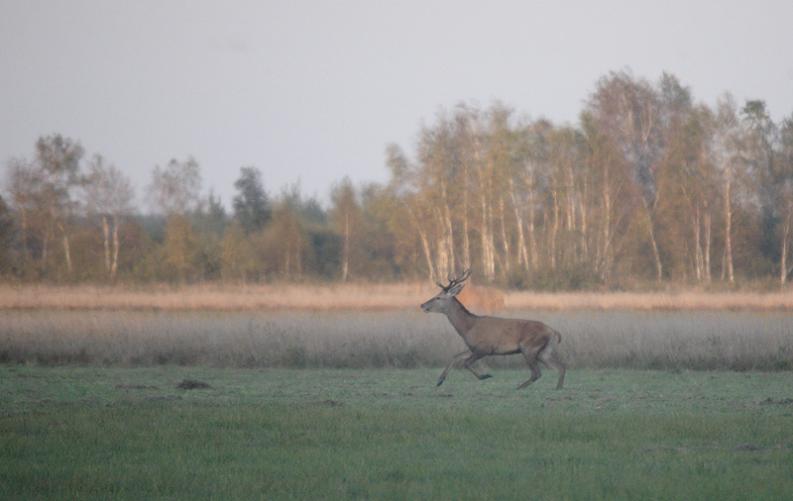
(495, 336)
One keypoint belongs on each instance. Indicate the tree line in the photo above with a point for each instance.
(649, 187)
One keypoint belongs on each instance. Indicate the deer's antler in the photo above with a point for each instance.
(455, 280)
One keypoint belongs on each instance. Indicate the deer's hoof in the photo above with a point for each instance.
(485, 376)
(440, 382)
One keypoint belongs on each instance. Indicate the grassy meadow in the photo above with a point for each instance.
(118, 433)
(336, 398)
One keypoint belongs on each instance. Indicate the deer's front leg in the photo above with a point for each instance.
(455, 359)
(469, 364)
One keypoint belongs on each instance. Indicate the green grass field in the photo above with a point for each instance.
(116, 433)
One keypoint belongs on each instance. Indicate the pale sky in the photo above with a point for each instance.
(313, 91)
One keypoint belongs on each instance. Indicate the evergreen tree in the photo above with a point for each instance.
(251, 204)
(7, 238)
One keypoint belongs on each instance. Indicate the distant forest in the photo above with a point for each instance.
(649, 188)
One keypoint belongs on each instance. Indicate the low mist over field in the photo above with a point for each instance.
(398, 339)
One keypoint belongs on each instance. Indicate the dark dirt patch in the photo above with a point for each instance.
(781, 401)
(748, 447)
(192, 384)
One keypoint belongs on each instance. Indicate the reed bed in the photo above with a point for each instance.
(364, 297)
(648, 301)
(394, 339)
(215, 297)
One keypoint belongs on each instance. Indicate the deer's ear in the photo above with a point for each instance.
(455, 289)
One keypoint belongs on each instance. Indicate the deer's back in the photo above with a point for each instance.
(495, 335)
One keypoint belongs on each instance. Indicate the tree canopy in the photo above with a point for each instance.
(650, 187)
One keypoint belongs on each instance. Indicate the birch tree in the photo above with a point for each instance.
(725, 151)
(175, 192)
(628, 112)
(108, 197)
(760, 140)
(346, 217)
(24, 188)
(786, 195)
(59, 159)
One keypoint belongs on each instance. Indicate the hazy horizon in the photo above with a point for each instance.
(314, 91)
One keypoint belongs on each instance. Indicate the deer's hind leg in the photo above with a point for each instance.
(551, 358)
(531, 359)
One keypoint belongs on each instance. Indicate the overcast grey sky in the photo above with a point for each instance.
(313, 91)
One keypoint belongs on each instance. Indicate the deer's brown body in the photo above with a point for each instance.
(496, 336)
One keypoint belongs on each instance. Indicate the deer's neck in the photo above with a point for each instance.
(460, 317)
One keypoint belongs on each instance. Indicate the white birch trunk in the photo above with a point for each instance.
(466, 239)
(67, 252)
(659, 268)
(708, 238)
(116, 245)
(532, 217)
(488, 258)
(728, 227)
(554, 231)
(605, 249)
(523, 255)
(697, 246)
(106, 241)
(504, 239)
(441, 248)
(345, 261)
(783, 269)
(448, 228)
(425, 245)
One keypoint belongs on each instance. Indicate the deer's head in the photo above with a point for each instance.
(441, 301)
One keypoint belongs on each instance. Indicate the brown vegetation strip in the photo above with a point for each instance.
(769, 301)
(217, 298)
(368, 297)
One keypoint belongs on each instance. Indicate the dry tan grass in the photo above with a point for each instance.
(364, 297)
(722, 340)
(217, 297)
(755, 301)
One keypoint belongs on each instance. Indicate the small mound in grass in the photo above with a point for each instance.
(192, 384)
